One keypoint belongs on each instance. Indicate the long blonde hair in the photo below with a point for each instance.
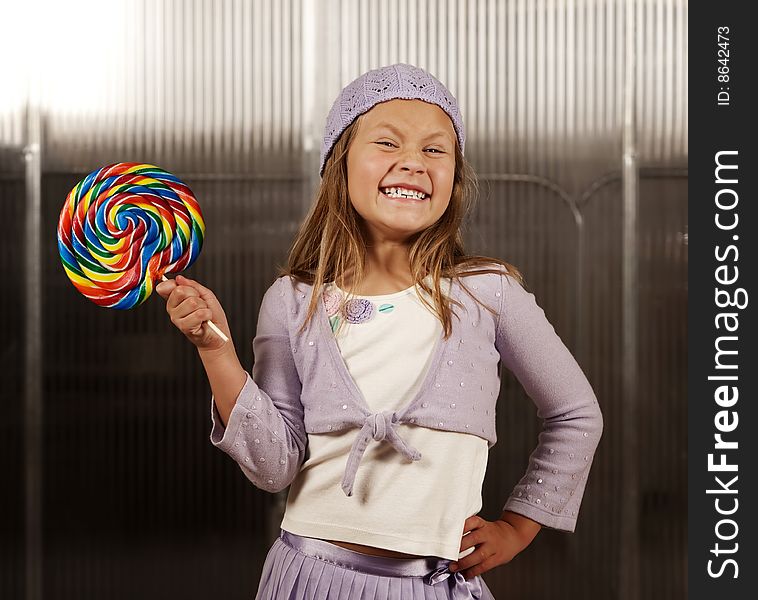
(330, 240)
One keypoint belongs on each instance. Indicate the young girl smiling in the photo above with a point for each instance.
(380, 322)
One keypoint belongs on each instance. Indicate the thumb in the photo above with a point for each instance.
(164, 288)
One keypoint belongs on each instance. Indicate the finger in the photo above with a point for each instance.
(202, 291)
(193, 323)
(470, 540)
(467, 561)
(470, 561)
(179, 295)
(164, 288)
(480, 568)
(473, 522)
(188, 306)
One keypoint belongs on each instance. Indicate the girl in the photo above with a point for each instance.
(376, 373)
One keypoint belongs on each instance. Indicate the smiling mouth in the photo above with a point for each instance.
(403, 198)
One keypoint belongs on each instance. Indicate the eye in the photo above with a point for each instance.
(437, 150)
(390, 143)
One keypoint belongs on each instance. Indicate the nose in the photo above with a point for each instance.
(412, 162)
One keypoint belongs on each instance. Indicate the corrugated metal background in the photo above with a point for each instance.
(576, 115)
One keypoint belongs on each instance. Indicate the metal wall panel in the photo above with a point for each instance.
(196, 85)
(576, 117)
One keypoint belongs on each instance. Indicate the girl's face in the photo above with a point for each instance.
(402, 144)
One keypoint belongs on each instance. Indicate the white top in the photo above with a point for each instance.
(416, 507)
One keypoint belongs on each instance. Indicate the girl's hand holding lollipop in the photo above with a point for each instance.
(190, 305)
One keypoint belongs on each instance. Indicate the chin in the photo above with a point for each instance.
(404, 229)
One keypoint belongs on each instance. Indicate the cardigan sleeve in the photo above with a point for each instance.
(265, 433)
(551, 490)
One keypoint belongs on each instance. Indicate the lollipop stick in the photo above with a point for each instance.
(211, 324)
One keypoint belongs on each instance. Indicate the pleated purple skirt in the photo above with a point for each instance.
(303, 568)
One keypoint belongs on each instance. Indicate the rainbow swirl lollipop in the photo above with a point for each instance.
(123, 227)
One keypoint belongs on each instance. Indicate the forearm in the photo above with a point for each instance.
(526, 528)
(226, 377)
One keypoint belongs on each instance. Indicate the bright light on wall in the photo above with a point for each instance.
(59, 54)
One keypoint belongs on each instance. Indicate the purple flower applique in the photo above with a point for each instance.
(358, 310)
(332, 300)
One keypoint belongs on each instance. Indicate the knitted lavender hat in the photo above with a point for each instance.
(387, 83)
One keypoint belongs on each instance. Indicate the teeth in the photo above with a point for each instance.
(397, 192)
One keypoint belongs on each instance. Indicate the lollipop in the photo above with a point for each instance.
(123, 227)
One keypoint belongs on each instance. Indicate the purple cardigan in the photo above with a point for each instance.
(300, 384)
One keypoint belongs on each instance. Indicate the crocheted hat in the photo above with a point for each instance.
(402, 81)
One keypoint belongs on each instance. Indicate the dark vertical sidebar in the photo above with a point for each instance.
(722, 274)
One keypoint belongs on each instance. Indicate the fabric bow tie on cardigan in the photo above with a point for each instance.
(379, 426)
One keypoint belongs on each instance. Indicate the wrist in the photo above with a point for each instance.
(526, 528)
(224, 353)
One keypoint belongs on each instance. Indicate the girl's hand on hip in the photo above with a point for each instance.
(497, 543)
